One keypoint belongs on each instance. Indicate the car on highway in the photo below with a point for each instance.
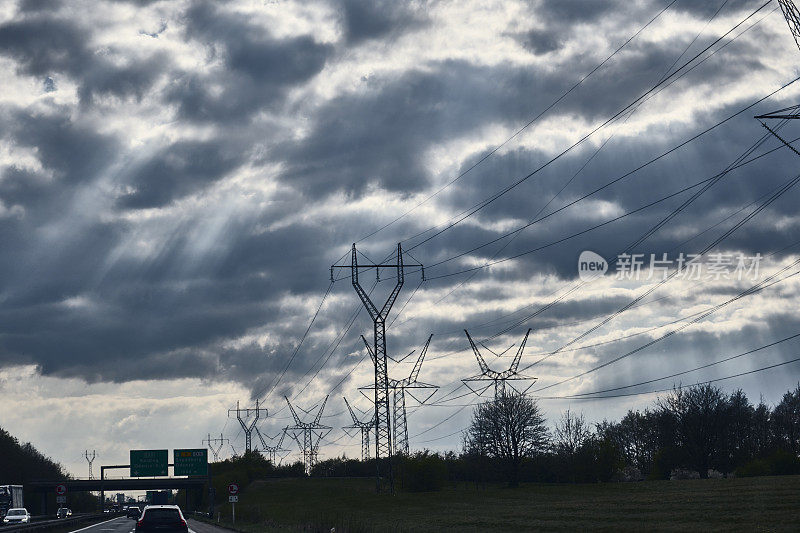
(17, 515)
(133, 512)
(63, 512)
(162, 519)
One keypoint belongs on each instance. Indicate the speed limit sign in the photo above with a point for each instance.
(61, 490)
(233, 488)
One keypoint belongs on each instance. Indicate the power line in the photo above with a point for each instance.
(479, 206)
(695, 369)
(523, 128)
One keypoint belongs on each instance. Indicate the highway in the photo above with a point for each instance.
(122, 524)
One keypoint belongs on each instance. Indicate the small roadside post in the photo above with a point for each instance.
(233, 490)
(61, 494)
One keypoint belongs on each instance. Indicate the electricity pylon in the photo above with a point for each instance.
(248, 428)
(399, 388)
(313, 433)
(792, 16)
(383, 426)
(219, 443)
(365, 427)
(90, 460)
(272, 451)
(498, 379)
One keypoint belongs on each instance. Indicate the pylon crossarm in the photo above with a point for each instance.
(781, 139)
(525, 390)
(481, 362)
(319, 414)
(369, 349)
(352, 414)
(294, 414)
(418, 365)
(422, 402)
(391, 299)
(479, 391)
(515, 363)
(261, 438)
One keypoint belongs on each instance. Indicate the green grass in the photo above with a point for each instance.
(745, 504)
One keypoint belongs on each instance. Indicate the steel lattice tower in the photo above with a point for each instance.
(248, 428)
(313, 433)
(90, 460)
(272, 451)
(498, 379)
(364, 427)
(219, 443)
(792, 16)
(383, 426)
(398, 388)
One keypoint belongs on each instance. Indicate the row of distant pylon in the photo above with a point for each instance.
(309, 435)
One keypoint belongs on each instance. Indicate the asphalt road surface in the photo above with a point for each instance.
(128, 525)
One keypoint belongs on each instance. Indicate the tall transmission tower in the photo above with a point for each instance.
(383, 426)
(498, 379)
(248, 428)
(90, 459)
(313, 433)
(273, 451)
(399, 388)
(792, 16)
(364, 426)
(215, 445)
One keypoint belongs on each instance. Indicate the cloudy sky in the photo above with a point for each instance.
(177, 178)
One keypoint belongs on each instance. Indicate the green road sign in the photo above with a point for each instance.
(145, 463)
(192, 462)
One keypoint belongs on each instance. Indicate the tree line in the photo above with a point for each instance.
(698, 431)
(21, 463)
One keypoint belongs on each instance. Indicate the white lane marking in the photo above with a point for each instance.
(95, 525)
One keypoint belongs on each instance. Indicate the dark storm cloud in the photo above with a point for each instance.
(43, 44)
(73, 152)
(379, 137)
(366, 19)
(690, 350)
(39, 5)
(77, 306)
(541, 41)
(575, 10)
(259, 67)
(179, 169)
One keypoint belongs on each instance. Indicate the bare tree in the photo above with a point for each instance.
(509, 428)
(699, 415)
(571, 433)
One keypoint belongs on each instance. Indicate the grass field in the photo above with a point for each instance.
(745, 504)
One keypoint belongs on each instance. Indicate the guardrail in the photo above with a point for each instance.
(40, 524)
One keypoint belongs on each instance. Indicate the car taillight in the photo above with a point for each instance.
(138, 523)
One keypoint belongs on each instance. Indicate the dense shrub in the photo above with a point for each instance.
(422, 472)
